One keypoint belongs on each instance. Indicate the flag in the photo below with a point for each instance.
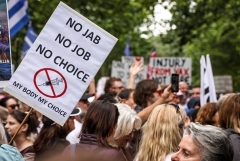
(28, 40)
(152, 55)
(208, 92)
(18, 15)
(127, 51)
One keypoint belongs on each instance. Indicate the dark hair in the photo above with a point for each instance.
(3, 101)
(110, 96)
(125, 93)
(109, 83)
(32, 120)
(49, 134)
(100, 120)
(143, 91)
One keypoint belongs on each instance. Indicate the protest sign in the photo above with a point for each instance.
(121, 70)
(132, 59)
(5, 52)
(61, 63)
(223, 84)
(161, 69)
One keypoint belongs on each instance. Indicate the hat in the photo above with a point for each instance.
(192, 102)
(85, 96)
(179, 93)
(10, 153)
(75, 112)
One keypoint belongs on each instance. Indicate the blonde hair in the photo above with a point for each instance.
(161, 134)
(127, 120)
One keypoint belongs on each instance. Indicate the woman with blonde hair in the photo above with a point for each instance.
(161, 133)
(128, 123)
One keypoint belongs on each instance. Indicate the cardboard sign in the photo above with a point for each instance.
(5, 52)
(161, 69)
(121, 70)
(61, 63)
(223, 84)
(132, 59)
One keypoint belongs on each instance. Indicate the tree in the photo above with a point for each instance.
(207, 27)
(121, 18)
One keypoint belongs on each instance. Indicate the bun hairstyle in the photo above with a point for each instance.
(32, 120)
(47, 121)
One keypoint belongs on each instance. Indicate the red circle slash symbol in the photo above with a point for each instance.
(50, 83)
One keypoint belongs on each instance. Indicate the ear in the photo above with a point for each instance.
(24, 128)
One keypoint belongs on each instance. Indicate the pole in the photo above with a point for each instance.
(24, 120)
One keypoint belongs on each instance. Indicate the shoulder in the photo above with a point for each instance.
(109, 154)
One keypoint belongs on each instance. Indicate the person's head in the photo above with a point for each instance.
(127, 97)
(51, 132)
(196, 91)
(25, 107)
(178, 97)
(128, 123)
(208, 115)
(204, 143)
(3, 114)
(194, 103)
(229, 113)
(110, 96)
(222, 99)
(113, 84)
(161, 133)
(146, 92)
(3, 138)
(14, 120)
(10, 103)
(101, 120)
(183, 87)
(85, 101)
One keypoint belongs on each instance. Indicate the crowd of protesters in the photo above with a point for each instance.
(142, 122)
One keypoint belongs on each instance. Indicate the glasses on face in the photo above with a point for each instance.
(176, 106)
(159, 92)
(14, 105)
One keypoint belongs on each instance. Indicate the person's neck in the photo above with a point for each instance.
(22, 142)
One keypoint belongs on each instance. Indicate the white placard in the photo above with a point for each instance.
(61, 63)
(163, 67)
(121, 70)
(132, 59)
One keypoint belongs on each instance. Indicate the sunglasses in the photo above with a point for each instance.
(14, 105)
(176, 106)
(158, 91)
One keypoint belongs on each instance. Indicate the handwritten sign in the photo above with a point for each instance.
(61, 63)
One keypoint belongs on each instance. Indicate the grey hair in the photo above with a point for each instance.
(127, 120)
(222, 99)
(3, 139)
(213, 142)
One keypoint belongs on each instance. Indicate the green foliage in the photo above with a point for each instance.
(121, 18)
(207, 27)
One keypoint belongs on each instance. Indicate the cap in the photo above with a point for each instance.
(86, 96)
(75, 112)
(179, 93)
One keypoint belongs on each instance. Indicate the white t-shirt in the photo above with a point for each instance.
(73, 136)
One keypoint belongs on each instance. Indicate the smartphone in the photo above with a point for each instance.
(175, 82)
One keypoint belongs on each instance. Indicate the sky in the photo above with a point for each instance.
(160, 15)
